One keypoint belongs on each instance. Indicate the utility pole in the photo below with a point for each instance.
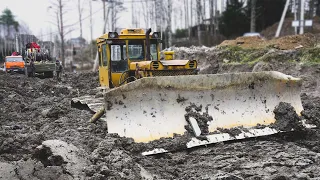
(282, 18)
(302, 17)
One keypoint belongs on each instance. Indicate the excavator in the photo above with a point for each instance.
(149, 98)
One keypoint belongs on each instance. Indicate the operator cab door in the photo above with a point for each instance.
(118, 62)
(104, 66)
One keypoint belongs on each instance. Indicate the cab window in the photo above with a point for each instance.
(104, 55)
(154, 51)
(136, 50)
(119, 62)
(14, 59)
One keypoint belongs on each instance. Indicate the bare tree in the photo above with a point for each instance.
(116, 6)
(59, 7)
(199, 22)
(80, 11)
(24, 28)
(169, 23)
(211, 7)
(253, 16)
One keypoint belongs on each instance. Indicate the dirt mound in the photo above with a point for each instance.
(246, 42)
(293, 42)
(282, 43)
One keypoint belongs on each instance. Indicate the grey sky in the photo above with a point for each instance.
(40, 18)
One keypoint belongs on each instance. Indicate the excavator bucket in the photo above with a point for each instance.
(159, 107)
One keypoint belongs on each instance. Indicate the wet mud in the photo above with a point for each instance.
(43, 137)
(201, 117)
(286, 118)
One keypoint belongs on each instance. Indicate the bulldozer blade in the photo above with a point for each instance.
(159, 107)
(90, 103)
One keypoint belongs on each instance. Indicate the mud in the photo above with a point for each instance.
(202, 119)
(233, 132)
(312, 109)
(36, 111)
(286, 118)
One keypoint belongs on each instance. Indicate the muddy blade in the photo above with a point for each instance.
(158, 107)
(87, 103)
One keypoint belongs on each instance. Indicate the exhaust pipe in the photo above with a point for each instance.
(148, 44)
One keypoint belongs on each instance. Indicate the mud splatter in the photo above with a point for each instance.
(202, 119)
(181, 99)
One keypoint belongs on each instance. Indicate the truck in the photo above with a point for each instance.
(14, 63)
(44, 63)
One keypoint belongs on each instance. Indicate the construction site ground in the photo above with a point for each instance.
(43, 137)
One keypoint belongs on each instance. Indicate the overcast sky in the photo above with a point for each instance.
(40, 18)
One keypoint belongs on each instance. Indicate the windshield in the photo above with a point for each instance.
(153, 50)
(14, 59)
(136, 50)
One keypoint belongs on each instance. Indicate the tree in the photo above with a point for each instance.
(199, 7)
(169, 23)
(253, 16)
(234, 21)
(59, 7)
(116, 6)
(80, 11)
(10, 25)
(266, 12)
(8, 21)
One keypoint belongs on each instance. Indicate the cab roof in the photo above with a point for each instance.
(13, 56)
(128, 33)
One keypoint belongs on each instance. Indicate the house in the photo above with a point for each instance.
(77, 43)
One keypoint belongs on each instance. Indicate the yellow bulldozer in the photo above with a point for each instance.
(148, 98)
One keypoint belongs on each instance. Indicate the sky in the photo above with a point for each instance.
(41, 19)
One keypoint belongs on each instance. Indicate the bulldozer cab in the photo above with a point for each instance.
(121, 54)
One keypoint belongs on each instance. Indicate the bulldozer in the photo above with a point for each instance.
(148, 98)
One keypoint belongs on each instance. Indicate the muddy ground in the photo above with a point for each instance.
(42, 137)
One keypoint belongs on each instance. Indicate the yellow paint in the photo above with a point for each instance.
(155, 137)
(247, 125)
(168, 55)
(144, 65)
(135, 31)
(103, 76)
(115, 78)
(146, 68)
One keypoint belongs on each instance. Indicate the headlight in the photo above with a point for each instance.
(155, 35)
(113, 35)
